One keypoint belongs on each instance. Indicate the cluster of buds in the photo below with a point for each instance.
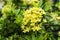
(7, 9)
(32, 19)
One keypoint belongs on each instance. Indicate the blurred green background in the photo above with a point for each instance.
(11, 16)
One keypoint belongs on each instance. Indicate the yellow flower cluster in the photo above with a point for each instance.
(31, 2)
(7, 9)
(31, 20)
(55, 16)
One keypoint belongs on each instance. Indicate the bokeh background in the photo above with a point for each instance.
(16, 17)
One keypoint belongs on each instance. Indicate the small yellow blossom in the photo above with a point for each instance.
(59, 33)
(26, 30)
(36, 28)
(44, 20)
(58, 18)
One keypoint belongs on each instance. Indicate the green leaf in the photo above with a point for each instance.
(40, 3)
(58, 38)
(33, 37)
(47, 5)
(28, 37)
(41, 37)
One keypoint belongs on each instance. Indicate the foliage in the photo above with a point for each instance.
(30, 20)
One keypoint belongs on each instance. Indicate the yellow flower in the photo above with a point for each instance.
(31, 17)
(26, 30)
(36, 28)
(32, 24)
(44, 20)
(54, 16)
(59, 33)
(22, 27)
(58, 18)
